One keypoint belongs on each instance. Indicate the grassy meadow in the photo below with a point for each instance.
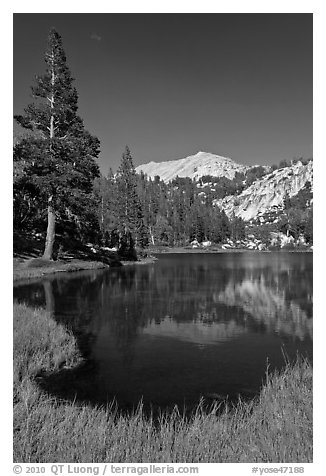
(274, 427)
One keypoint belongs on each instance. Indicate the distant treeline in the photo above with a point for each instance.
(60, 196)
(130, 211)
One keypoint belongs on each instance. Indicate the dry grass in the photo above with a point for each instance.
(275, 427)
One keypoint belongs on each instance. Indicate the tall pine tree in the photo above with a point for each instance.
(58, 159)
(128, 208)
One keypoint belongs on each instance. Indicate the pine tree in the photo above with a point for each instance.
(162, 231)
(105, 193)
(238, 229)
(128, 208)
(58, 159)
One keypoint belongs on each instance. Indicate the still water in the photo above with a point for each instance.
(186, 326)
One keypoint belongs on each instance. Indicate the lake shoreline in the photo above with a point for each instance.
(25, 270)
(180, 250)
(47, 428)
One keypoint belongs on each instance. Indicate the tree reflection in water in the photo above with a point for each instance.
(123, 316)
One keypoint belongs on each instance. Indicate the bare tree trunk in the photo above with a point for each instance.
(50, 232)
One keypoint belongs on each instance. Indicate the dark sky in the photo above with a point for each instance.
(169, 85)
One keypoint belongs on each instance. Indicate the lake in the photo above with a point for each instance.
(185, 327)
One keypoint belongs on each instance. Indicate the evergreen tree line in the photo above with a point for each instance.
(127, 211)
(58, 190)
(137, 211)
(60, 194)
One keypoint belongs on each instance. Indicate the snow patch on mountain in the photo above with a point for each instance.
(193, 166)
(267, 192)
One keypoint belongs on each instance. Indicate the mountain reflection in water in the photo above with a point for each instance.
(185, 326)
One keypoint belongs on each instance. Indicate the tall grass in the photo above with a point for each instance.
(275, 427)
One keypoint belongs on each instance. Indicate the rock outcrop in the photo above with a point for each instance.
(268, 192)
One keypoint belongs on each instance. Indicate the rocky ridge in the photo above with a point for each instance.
(263, 196)
(268, 192)
(193, 166)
